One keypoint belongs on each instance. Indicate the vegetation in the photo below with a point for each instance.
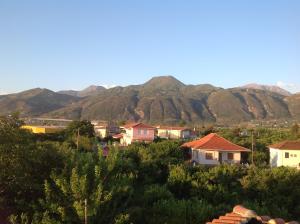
(46, 181)
(160, 100)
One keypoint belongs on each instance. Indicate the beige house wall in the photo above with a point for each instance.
(198, 155)
(101, 132)
(277, 158)
(173, 134)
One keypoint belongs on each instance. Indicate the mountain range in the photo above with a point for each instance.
(275, 89)
(162, 99)
(89, 91)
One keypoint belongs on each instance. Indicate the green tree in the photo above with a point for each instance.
(80, 134)
(179, 181)
(295, 130)
(24, 165)
(85, 128)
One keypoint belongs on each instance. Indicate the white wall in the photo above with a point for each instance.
(277, 157)
(236, 157)
(101, 132)
(127, 137)
(199, 157)
(186, 134)
(173, 134)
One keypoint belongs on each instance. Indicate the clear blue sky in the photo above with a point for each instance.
(70, 44)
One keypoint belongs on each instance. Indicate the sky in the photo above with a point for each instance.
(71, 44)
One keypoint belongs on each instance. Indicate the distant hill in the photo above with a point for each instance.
(294, 105)
(275, 89)
(89, 91)
(34, 102)
(160, 100)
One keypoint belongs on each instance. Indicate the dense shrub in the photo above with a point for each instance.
(49, 181)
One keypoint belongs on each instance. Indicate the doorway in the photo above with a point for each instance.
(220, 158)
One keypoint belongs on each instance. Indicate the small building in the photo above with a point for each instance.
(174, 132)
(106, 130)
(286, 153)
(43, 129)
(137, 132)
(214, 150)
(101, 131)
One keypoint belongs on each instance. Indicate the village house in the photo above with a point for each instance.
(214, 150)
(105, 129)
(101, 131)
(174, 132)
(286, 153)
(136, 132)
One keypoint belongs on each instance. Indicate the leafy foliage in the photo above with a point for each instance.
(50, 181)
(24, 165)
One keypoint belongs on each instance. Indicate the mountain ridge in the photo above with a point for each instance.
(89, 91)
(162, 99)
(271, 88)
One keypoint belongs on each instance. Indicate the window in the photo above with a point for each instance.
(286, 155)
(139, 131)
(230, 156)
(209, 155)
(145, 132)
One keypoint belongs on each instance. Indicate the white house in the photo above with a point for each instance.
(214, 150)
(174, 132)
(285, 153)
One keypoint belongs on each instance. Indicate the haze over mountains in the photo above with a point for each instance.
(275, 89)
(160, 100)
(91, 90)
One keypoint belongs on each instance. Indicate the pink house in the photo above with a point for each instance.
(137, 132)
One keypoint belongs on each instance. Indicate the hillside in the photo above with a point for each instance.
(161, 100)
(89, 91)
(34, 102)
(294, 105)
(275, 89)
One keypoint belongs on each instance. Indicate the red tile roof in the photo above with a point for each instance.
(138, 125)
(242, 215)
(215, 142)
(292, 145)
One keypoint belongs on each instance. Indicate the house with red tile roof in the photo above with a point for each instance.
(170, 132)
(286, 153)
(137, 132)
(214, 150)
(242, 215)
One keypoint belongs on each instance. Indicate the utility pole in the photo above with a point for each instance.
(77, 139)
(85, 211)
(252, 147)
